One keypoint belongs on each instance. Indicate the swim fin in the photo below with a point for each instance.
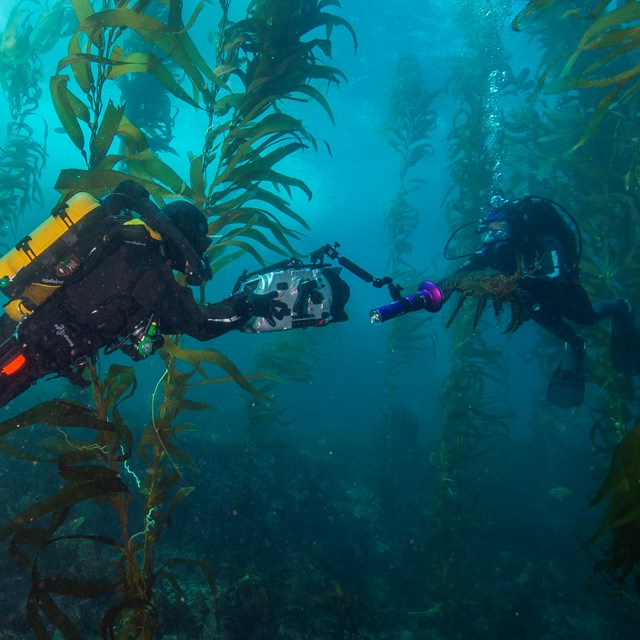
(625, 342)
(566, 387)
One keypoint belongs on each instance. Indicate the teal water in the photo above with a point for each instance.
(329, 514)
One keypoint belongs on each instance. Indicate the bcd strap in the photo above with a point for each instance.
(25, 247)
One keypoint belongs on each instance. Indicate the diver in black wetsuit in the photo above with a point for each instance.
(124, 295)
(530, 236)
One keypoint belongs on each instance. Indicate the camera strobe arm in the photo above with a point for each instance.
(331, 252)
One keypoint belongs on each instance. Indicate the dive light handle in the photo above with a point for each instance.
(428, 296)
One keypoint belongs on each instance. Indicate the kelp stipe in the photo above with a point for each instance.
(148, 101)
(95, 470)
(472, 424)
(38, 531)
(293, 357)
(567, 138)
(563, 159)
(605, 32)
(143, 566)
(410, 116)
(249, 133)
(407, 128)
(98, 54)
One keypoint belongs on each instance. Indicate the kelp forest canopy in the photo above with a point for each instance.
(367, 483)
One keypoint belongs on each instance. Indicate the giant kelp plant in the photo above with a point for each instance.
(148, 101)
(31, 31)
(590, 74)
(261, 62)
(471, 424)
(409, 121)
(621, 522)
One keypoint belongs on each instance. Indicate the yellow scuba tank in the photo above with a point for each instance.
(38, 265)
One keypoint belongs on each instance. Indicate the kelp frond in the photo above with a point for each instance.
(272, 59)
(622, 518)
(613, 35)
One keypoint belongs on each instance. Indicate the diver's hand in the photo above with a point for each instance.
(527, 280)
(267, 306)
(525, 303)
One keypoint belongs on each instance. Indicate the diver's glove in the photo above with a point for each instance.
(267, 306)
(524, 300)
(528, 280)
(539, 287)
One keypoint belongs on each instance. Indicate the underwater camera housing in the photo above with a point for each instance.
(314, 294)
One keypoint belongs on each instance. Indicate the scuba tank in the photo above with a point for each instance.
(39, 264)
(533, 215)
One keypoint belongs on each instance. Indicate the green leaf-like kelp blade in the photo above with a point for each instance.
(61, 102)
(58, 413)
(197, 356)
(69, 495)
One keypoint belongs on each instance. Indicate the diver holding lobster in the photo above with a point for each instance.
(536, 244)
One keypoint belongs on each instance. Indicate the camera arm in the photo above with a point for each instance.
(428, 297)
(331, 251)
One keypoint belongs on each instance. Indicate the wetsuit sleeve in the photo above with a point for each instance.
(155, 289)
(178, 312)
(217, 318)
(477, 262)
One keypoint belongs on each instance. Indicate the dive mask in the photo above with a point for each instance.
(493, 228)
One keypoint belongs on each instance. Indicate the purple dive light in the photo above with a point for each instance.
(429, 297)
